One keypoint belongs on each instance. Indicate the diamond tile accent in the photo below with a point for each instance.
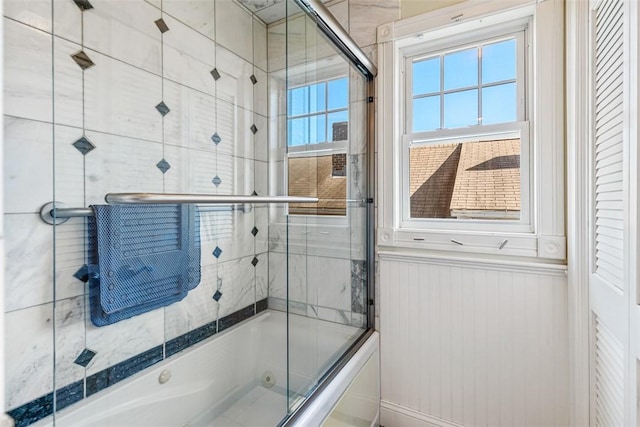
(254, 193)
(254, 231)
(216, 180)
(254, 129)
(215, 74)
(217, 252)
(82, 274)
(162, 26)
(253, 79)
(83, 4)
(162, 108)
(85, 357)
(83, 60)
(216, 138)
(217, 295)
(254, 261)
(163, 165)
(83, 145)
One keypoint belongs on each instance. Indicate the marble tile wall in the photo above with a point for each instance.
(325, 259)
(201, 68)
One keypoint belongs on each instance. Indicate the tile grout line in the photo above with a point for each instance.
(84, 202)
(164, 177)
(53, 184)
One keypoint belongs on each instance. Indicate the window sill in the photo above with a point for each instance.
(485, 243)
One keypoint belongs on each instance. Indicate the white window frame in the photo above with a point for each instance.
(540, 231)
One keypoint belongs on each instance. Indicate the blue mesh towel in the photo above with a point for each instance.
(141, 257)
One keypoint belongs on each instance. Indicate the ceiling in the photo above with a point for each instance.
(269, 10)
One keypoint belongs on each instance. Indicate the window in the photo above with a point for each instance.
(318, 129)
(466, 131)
(318, 113)
(471, 130)
(464, 87)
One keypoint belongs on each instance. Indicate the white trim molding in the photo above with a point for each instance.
(579, 92)
(396, 415)
(544, 236)
(515, 266)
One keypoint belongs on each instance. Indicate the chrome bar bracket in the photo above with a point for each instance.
(57, 213)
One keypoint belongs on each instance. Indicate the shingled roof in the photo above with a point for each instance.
(322, 177)
(466, 180)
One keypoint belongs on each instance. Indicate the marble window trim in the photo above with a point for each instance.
(43, 406)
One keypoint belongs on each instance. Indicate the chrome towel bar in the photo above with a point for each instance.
(158, 198)
(51, 214)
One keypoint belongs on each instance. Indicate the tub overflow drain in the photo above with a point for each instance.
(164, 376)
(268, 379)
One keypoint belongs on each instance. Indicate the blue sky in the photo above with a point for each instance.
(495, 62)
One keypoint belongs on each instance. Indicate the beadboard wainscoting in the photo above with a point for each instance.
(472, 342)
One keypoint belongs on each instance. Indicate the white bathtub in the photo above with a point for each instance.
(223, 380)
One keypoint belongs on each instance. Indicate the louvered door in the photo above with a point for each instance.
(609, 287)
(608, 142)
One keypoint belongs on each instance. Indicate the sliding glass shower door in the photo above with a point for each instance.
(323, 150)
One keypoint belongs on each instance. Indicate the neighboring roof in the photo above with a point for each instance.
(479, 177)
(488, 176)
(314, 177)
(432, 177)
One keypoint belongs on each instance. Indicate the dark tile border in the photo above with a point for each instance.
(190, 338)
(120, 371)
(69, 395)
(42, 407)
(32, 411)
(261, 305)
(235, 318)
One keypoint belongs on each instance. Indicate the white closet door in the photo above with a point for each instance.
(609, 244)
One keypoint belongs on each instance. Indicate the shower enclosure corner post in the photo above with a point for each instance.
(371, 203)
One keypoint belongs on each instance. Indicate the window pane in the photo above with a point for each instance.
(317, 129)
(317, 101)
(338, 94)
(468, 180)
(298, 102)
(298, 131)
(499, 104)
(461, 109)
(499, 61)
(426, 76)
(338, 126)
(322, 177)
(307, 130)
(461, 69)
(426, 113)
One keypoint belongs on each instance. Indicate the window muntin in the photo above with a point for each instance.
(318, 130)
(466, 146)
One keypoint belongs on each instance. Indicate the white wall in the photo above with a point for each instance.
(472, 343)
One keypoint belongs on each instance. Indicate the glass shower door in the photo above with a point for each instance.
(324, 156)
